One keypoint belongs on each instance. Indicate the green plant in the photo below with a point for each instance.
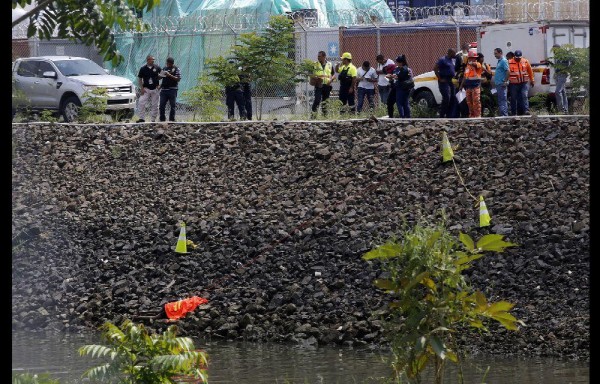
(48, 116)
(89, 21)
(206, 96)
(138, 357)
(267, 59)
(28, 378)
(419, 111)
(432, 301)
(94, 107)
(116, 151)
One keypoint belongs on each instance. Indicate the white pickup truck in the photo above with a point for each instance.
(58, 84)
(534, 39)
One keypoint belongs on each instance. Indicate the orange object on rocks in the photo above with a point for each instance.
(177, 309)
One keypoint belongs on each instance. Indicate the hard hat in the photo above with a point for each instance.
(518, 53)
(347, 55)
(472, 53)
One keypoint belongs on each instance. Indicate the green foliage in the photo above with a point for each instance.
(28, 378)
(574, 61)
(418, 111)
(94, 106)
(206, 99)
(89, 21)
(267, 59)
(432, 301)
(49, 116)
(132, 355)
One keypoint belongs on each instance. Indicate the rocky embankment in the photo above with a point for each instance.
(270, 205)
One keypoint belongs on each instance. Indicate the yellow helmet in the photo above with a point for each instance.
(347, 55)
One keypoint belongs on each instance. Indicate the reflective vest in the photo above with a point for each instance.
(519, 71)
(327, 71)
(178, 309)
(473, 70)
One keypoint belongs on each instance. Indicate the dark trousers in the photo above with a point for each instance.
(402, 102)
(167, 95)
(233, 97)
(247, 100)
(391, 101)
(448, 93)
(321, 95)
(346, 97)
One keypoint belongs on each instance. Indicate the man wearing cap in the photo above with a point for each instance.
(520, 76)
(346, 76)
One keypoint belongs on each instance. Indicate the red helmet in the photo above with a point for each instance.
(472, 53)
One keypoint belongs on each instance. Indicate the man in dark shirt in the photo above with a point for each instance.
(168, 89)
(149, 89)
(444, 69)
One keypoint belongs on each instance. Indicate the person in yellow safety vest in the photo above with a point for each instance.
(520, 77)
(471, 82)
(346, 76)
(324, 73)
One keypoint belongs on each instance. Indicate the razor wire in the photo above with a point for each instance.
(213, 33)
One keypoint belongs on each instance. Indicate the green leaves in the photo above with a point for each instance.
(385, 251)
(493, 242)
(90, 21)
(432, 297)
(140, 357)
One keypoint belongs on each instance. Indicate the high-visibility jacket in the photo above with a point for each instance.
(472, 74)
(519, 71)
(178, 309)
(324, 71)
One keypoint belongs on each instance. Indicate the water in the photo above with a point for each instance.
(252, 363)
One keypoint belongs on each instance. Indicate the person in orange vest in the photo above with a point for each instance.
(471, 82)
(520, 77)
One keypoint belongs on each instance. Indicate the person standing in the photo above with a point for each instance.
(561, 73)
(235, 95)
(509, 55)
(149, 89)
(324, 72)
(346, 76)
(521, 78)
(247, 93)
(168, 89)
(384, 67)
(471, 82)
(366, 77)
(461, 109)
(444, 70)
(501, 82)
(402, 75)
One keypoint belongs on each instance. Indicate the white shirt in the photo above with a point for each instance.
(370, 74)
(383, 81)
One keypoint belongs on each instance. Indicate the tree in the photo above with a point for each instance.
(137, 357)
(432, 301)
(265, 59)
(88, 21)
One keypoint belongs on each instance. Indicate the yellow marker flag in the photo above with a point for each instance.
(447, 152)
(181, 241)
(484, 216)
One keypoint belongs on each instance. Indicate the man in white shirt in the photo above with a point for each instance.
(366, 77)
(384, 68)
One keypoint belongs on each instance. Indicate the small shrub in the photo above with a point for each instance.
(206, 99)
(28, 378)
(94, 107)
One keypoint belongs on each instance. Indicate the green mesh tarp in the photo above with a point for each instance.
(191, 31)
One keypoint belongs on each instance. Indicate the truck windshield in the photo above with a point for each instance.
(79, 67)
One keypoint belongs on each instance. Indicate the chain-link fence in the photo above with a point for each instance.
(423, 34)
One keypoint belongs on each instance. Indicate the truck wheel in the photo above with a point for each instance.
(70, 109)
(425, 99)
